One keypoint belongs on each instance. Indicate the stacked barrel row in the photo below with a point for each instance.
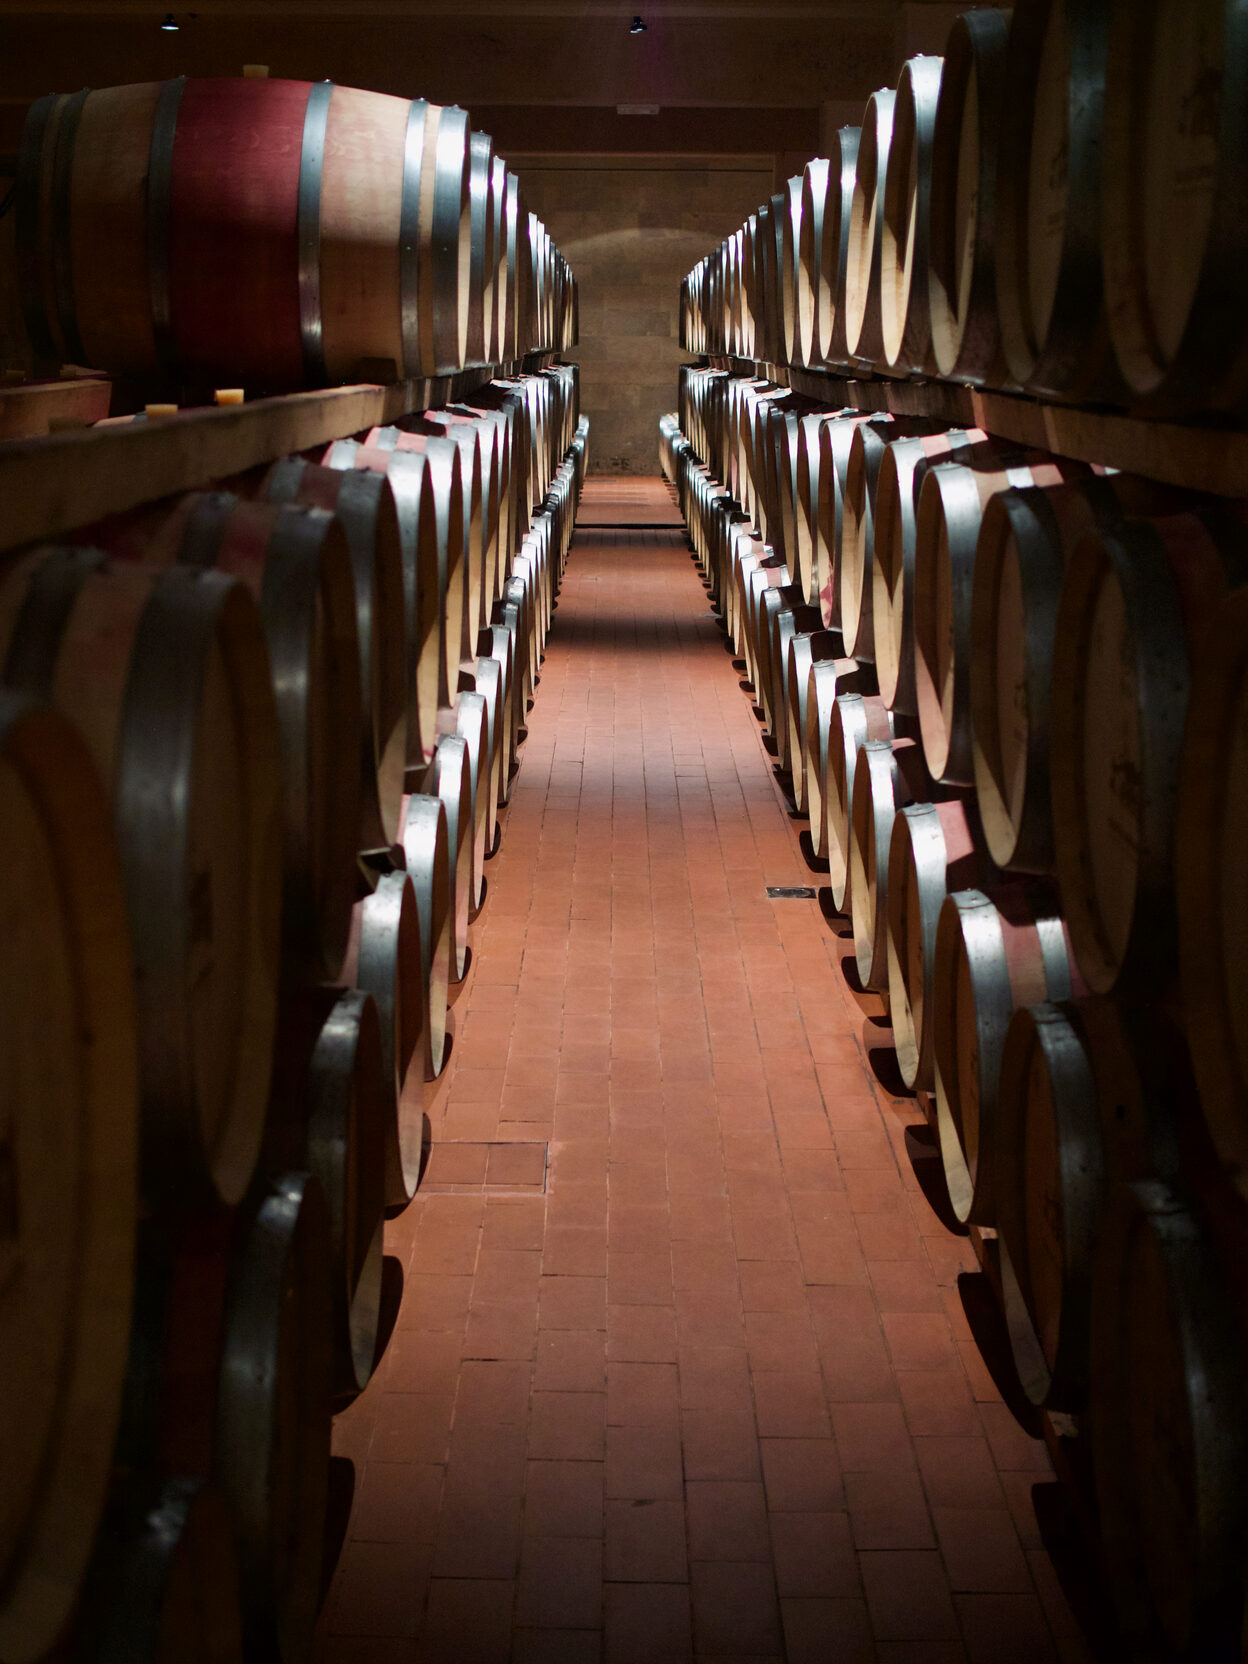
(1010, 694)
(276, 235)
(1053, 205)
(256, 745)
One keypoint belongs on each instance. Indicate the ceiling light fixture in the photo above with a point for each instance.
(637, 27)
(170, 25)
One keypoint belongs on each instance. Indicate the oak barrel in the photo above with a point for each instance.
(905, 317)
(961, 274)
(864, 340)
(69, 1135)
(166, 675)
(278, 233)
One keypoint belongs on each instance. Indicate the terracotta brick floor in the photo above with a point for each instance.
(681, 1368)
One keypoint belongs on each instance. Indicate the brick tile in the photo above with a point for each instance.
(1012, 1448)
(802, 1475)
(727, 1520)
(469, 1620)
(572, 1303)
(556, 1646)
(560, 1584)
(420, 1360)
(1004, 1629)
(816, 1631)
(501, 1329)
(642, 1395)
(647, 1623)
(715, 1378)
(887, 1510)
(981, 1551)
(918, 1340)
(564, 1499)
(719, 1444)
(644, 1463)
(493, 1393)
(570, 1360)
(958, 1473)
(567, 1426)
(734, 1607)
(411, 1427)
(478, 1535)
(639, 1279)
(570, 1251)
(780, 1340)
(380, 1589)
(641, 1334)
(814, 1555)
(772, 1286)
(645, 1540)
(435, 1303)
(790, 1404)
(396, 1502)
(907, 1596)
(516, 1223)
(872, 1438)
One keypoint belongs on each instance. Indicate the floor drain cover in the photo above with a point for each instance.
(790, 892)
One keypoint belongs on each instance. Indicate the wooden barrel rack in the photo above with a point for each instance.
(278, 657)
(1010, 727)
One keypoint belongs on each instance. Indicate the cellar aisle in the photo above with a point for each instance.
(698, 1381)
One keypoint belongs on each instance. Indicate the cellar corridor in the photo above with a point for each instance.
(681, 1366)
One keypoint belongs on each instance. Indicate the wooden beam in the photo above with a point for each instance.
(29, 409)
(51, 485)
(1201, 458)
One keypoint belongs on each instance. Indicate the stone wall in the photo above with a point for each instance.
(631, 228)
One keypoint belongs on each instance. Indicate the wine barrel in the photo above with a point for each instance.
(426, 848)
(164, 1580)
(452, 783)
(1172, 224)
(789, 301)
(903, 466)
(277, 233)
(69, 1132)
(864, 339)
(297, 564)
(933, 850)
(855, 551)
(888, 774)
(961, 271)
(491, 683)
(1210, 883)
(856, 718)
(346, 1153)
(836, 437)
(1025, 541)
(905, 316)
(1121, 673)
(1050, 1193)
(826, 681)
(812, 561)
(384, 960)
(1168, 1426)
(951, 504)
(472, 724)
(365, 506)
(833, 252)
(166, 675)
(995, 951)
(441, 458)
(473, 480)
(481, 344)
(1050, 294)
(816, 183)
(806, 649)
(412, 485)
(273, 1411)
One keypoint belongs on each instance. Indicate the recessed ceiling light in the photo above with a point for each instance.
(637, 27)
(170, 25)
